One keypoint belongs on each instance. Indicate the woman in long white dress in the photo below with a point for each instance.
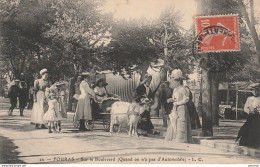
(179, 127)
(83, 109)
(40, 86)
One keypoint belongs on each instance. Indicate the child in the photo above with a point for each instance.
(52, 115)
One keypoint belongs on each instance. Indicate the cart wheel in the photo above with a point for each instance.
(75, 123)
(90, 125)
(106, 125)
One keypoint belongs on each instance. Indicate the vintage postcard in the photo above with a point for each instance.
(129, 82)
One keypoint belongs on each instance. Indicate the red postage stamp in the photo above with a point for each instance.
(218, 33)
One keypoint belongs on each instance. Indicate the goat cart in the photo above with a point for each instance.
(100, 114)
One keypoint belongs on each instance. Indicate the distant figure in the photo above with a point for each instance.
(249, 133)
(166, 93)
(77, 91)
(23, 97)
(194, 116)
(31, 92)
(13, 95)
(3, 92)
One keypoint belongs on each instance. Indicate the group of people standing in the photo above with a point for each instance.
(177, 107)
(18, 91)
(49, 103)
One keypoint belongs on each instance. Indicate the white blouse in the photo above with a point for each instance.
(180, 95)
(252, 103)
(100, 90)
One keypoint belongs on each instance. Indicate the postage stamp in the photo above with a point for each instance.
(217, 33)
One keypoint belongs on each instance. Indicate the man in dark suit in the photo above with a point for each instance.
(144, 88)
(165, 93)
(13, 94)
(23, 97)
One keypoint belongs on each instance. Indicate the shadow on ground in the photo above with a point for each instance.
(8, 153)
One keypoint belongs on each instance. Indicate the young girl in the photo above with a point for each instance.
(52, 115)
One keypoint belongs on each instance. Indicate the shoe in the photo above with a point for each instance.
(43, 126)
(10, 113)
(37, 127)
(83, 129)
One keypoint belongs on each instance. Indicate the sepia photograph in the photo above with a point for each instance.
(129, 82)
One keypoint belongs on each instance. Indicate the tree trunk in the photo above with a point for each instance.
(205, 7)
(215, 98)
(207, 128)
(251, 27)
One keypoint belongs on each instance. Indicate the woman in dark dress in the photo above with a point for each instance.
(194, 116)
(249, 133)
(23, 97)
(145, 123)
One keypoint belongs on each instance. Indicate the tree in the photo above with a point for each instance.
(217, 65)
(78, 31)
(130, 48)
(22, 24)
(251, 25)
(172, 39)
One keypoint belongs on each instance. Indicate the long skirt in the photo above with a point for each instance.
(83, 109)
(181, 133)
(38, 109)
(249, 133)
(194, 116)
(145, 122)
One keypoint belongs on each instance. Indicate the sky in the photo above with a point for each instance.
(126, 9)
(150, 9)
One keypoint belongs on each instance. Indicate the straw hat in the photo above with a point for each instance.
(177, 74)
(60, 83)
(85, 74)
(43, 71)
(255, 85)
(101, 80)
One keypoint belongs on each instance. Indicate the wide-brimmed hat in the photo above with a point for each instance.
(255, 85)
(85, 74)
(60, 83)
(101, 80)
(177, 74)
(43, 71)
